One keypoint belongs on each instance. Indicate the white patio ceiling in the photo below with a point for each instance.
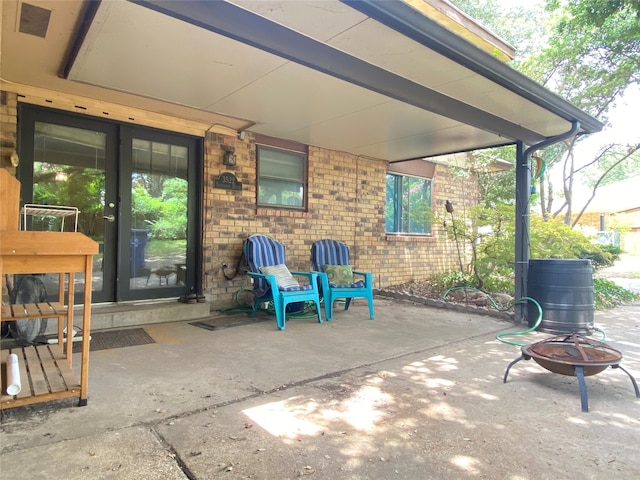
(368, 78)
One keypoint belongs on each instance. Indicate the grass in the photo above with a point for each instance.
(162, 248)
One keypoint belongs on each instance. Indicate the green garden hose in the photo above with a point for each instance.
(308, 311)
(509, 334)
(523, 332)
(495, 305)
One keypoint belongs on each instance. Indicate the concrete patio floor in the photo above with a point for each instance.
(415, 394)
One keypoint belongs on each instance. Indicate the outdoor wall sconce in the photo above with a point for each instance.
(229, 157)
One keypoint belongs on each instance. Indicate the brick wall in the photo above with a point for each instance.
(346, 202)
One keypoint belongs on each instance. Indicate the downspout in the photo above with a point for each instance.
(523, 193)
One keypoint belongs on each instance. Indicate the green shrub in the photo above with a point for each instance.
(612, 250)
(450, 279)
(609, 295)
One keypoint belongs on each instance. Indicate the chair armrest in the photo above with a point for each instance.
(311, 276)
(269, 278)
(324, 280)
(368, 277)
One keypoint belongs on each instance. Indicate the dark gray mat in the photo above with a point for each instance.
(108, 339)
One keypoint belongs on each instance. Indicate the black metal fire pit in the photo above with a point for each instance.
(576, 356)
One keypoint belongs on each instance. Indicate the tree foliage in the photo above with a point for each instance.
(587, 51)
(159, 206)
(593, 54)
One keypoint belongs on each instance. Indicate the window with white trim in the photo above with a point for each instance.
(408, 205)
(282, 177)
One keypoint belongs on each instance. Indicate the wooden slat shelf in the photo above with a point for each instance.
(33, 310)
(45, 375)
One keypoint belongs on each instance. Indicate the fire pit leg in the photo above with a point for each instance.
(583, 388)
(633, 380)
(506, 374)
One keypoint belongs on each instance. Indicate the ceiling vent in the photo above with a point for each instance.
(34, 20)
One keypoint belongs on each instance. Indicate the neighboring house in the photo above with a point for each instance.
(191, 125)
(613, 216)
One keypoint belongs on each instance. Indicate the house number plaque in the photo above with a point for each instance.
(227, 181)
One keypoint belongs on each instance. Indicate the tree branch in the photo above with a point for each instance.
(630, 152)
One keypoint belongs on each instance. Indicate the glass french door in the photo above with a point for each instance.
(131, 187)
(157, 220)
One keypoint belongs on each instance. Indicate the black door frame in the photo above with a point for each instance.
(118, 171)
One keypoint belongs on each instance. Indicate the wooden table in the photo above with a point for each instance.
(46, 371)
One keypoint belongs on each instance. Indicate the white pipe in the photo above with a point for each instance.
(13, 375)
(54, 341)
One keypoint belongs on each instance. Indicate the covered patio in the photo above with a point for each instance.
(386, 80)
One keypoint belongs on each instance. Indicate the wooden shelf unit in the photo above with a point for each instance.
(65, 253)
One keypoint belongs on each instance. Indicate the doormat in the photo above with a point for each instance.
(221, 323)
(108, 339)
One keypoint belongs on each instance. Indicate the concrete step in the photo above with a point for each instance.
(132, 314)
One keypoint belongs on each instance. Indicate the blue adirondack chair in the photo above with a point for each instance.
(272, 280)
(330, 259)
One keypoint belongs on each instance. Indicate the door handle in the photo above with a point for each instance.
(109, 218)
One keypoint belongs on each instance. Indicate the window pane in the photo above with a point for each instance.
(415, 212)
(391, 225)
(408, 205)
(281, 178)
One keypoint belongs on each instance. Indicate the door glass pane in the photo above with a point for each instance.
(159, 194)
(69, 170)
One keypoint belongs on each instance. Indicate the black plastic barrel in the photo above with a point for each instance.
(564, 290)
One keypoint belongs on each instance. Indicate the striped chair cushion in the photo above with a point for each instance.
(263, 251)
(264, 254)
(329, 252)
(358, 284)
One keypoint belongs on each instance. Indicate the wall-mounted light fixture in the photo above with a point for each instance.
(241, 134)
(229, 157)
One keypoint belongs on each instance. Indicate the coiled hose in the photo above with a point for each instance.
(520, 300)
(500, 336)
(497, 307)
(308, 311)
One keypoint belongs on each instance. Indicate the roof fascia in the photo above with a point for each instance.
(401, 17)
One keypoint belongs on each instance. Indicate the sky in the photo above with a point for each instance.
(623, 118)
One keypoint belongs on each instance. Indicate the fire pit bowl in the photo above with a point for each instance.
(576, 356)
(561, 354)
